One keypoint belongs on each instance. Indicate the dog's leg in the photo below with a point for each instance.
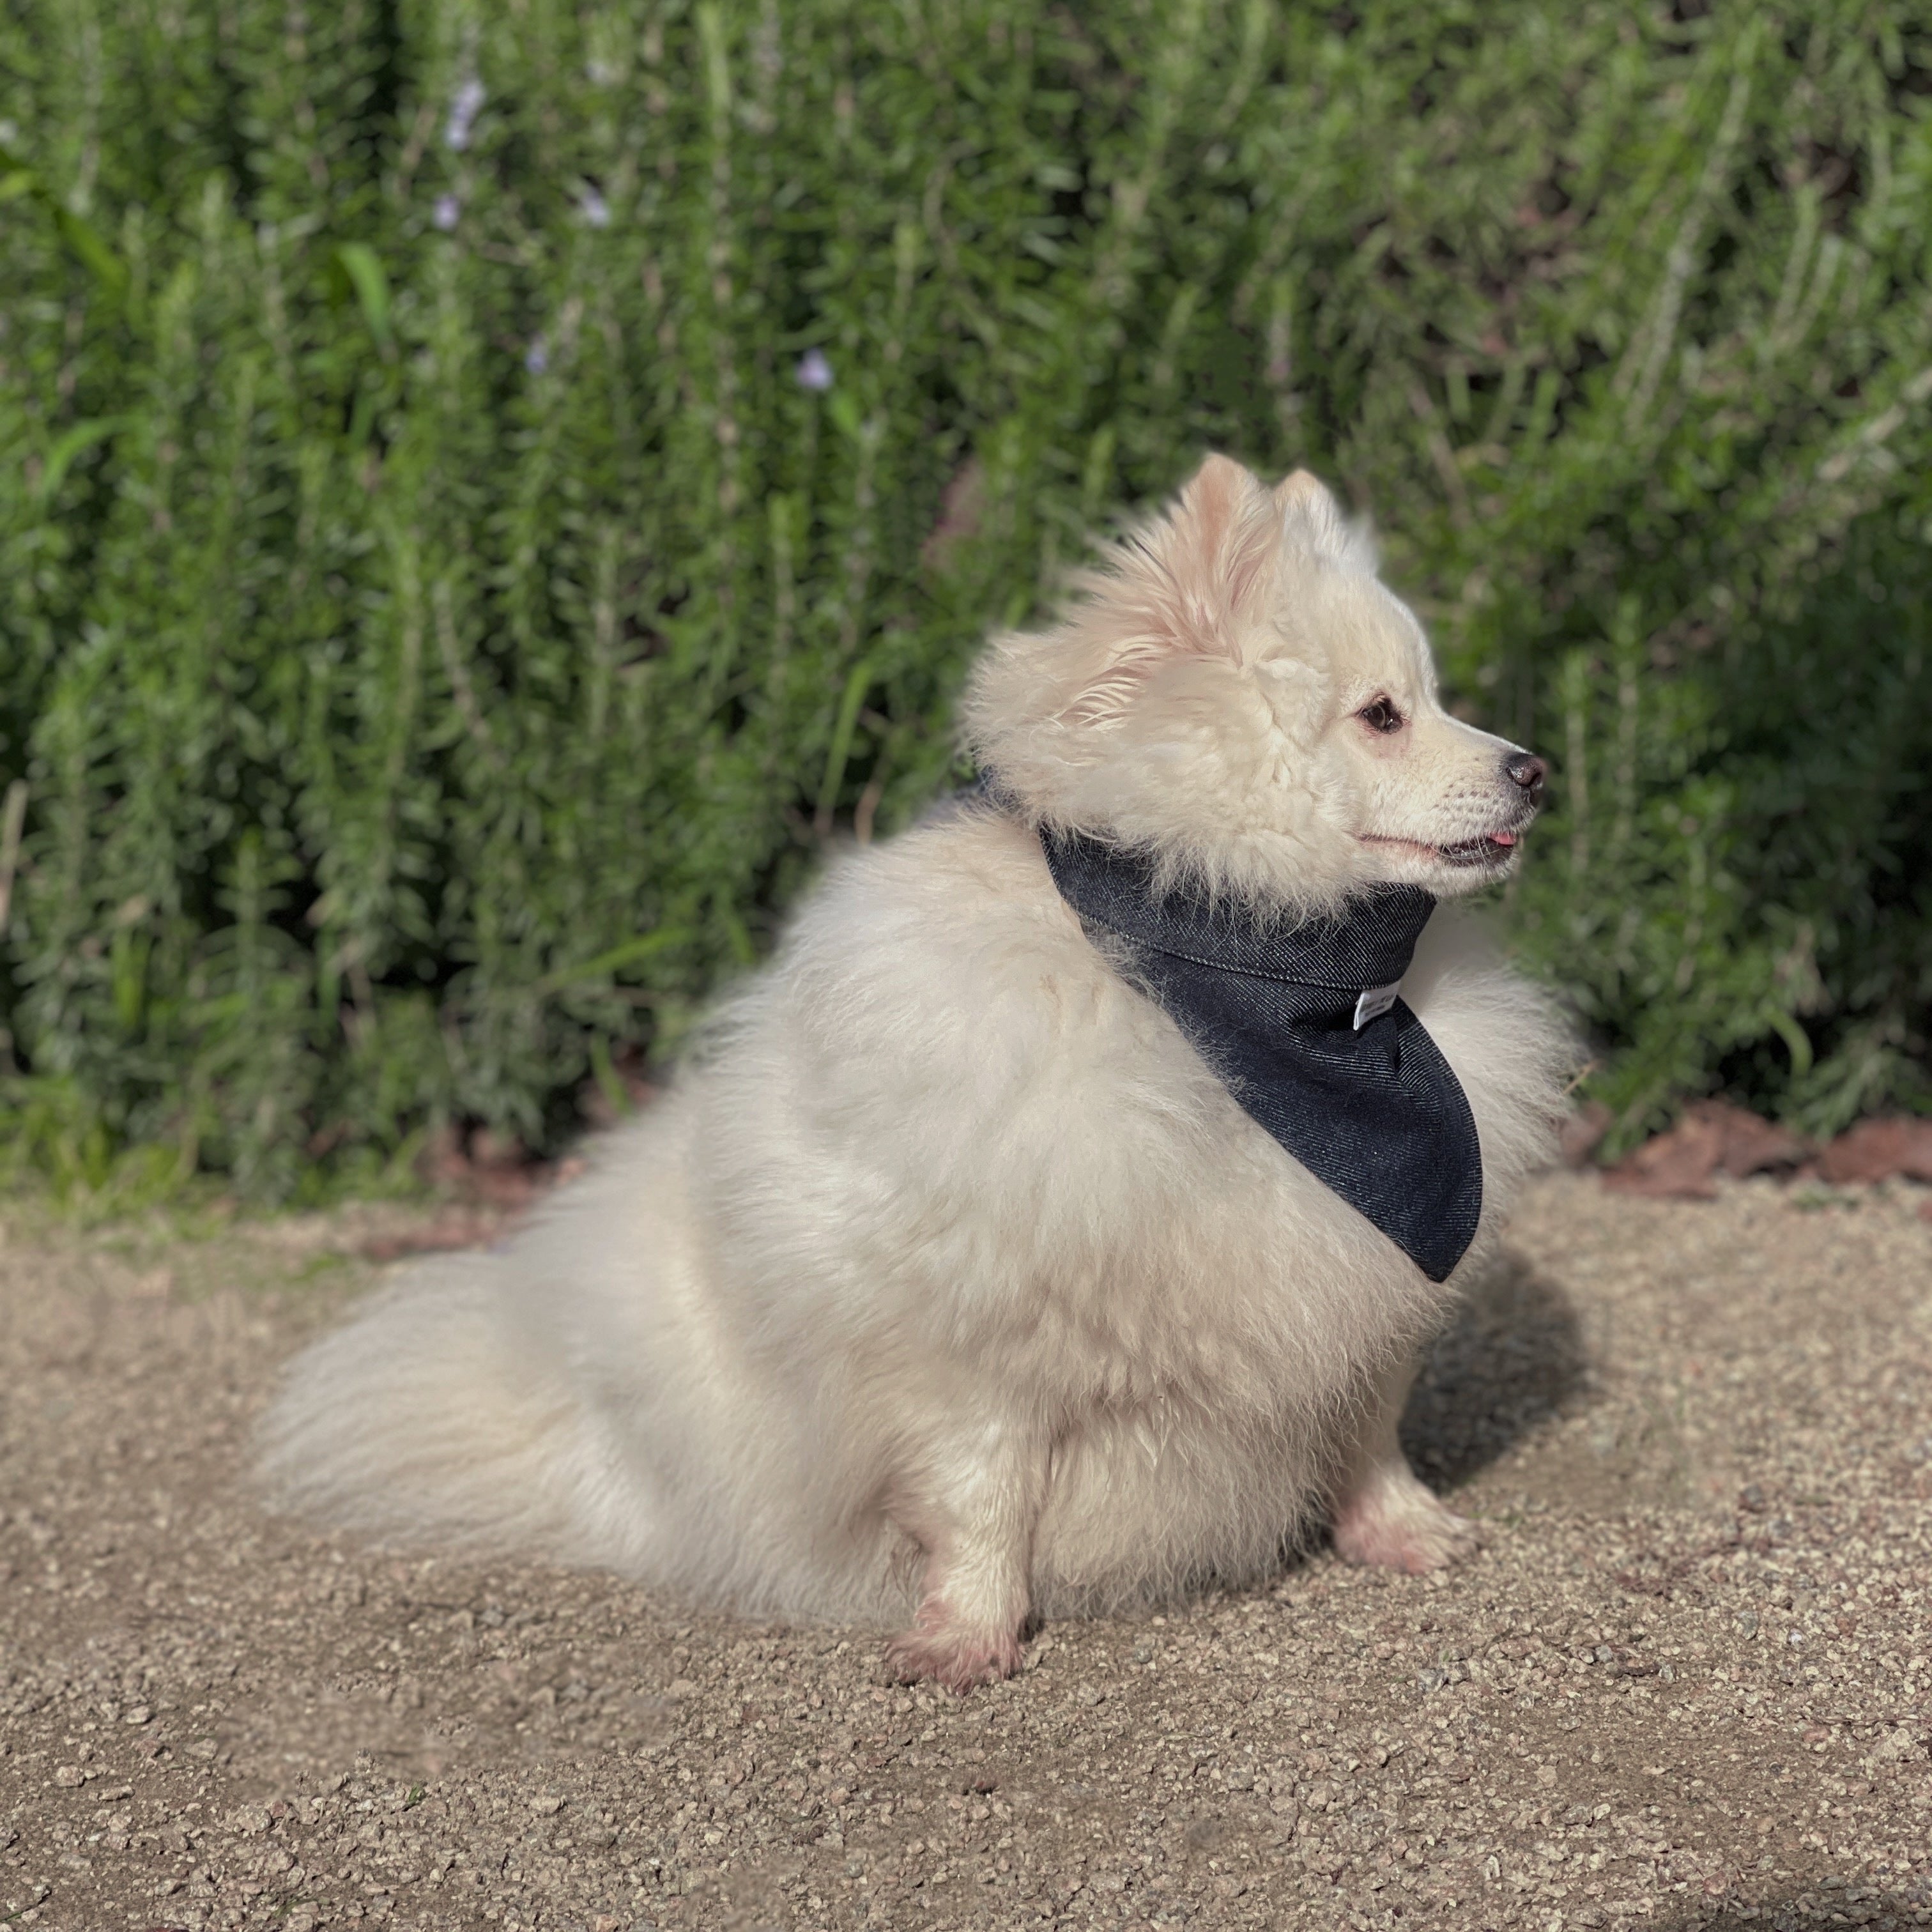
(971, 1506)
(1384, 1516)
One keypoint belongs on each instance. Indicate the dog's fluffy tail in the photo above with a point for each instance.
(429, 1419)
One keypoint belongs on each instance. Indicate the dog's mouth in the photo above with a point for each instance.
(1490, 852)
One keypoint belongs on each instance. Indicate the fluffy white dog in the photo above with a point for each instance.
(950, 1287)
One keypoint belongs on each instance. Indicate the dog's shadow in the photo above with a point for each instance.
(1795, 1906)
(1513, 1359)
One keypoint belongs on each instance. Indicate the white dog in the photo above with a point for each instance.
(951, 1286)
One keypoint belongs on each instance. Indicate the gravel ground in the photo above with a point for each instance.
(1685, 1682)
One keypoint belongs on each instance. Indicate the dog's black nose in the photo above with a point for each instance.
(1529, 772)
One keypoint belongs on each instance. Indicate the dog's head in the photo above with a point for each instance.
(1238, 692)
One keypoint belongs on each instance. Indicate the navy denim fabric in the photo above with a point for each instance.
(1375, 1113)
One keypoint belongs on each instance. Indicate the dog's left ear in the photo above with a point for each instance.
(1215, 551)
(1181, 587)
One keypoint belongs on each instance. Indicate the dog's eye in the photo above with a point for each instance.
(1380, 716)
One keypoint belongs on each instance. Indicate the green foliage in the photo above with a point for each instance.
(439, 629)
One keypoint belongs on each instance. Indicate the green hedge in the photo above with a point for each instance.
(440, 628)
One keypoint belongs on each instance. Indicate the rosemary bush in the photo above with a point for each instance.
(489, 492)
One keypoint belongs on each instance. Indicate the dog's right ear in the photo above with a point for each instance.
(1312, 521)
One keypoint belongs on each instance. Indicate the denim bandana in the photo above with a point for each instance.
(1306, 1027)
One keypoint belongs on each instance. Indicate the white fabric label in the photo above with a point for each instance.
(1375, 1002)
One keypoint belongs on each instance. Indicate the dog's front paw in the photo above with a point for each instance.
(955, 1656)
(1392, 1522)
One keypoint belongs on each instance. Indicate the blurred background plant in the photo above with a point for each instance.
(489, 494)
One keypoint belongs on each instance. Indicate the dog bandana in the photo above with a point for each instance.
(1306, 1027)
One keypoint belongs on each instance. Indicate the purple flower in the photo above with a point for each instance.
(536, 358)
(447, 208)
(813, 371)
(463, 110)
(596, 210)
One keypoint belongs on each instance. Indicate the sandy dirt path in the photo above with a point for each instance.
(1688, 1681)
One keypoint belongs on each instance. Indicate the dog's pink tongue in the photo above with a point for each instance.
(1502, 837)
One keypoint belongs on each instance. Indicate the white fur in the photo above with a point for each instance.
(948, 1280)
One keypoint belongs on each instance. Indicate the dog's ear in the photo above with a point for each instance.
(1312, 521)
(1215, 548)
(1182, 587)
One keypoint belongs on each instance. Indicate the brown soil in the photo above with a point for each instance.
(1685, 1683)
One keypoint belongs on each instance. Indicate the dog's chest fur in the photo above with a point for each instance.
(949, 1155)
